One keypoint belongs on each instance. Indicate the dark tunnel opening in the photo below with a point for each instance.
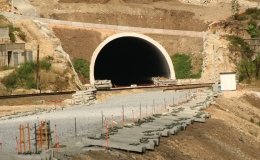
(130, 60)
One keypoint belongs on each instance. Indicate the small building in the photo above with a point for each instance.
(228, 81)
(12, 54)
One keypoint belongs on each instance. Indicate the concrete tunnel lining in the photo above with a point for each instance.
(130, 56)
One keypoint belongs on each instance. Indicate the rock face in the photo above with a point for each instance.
(216, 53)
(25, 8)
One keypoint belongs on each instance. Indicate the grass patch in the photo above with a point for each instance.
(182, 66)
(24, 76)
(82, 66)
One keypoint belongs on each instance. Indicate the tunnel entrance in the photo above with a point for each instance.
(130, 58)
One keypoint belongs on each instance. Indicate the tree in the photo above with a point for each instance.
(235, 7)
(248, 69)
(257, 65)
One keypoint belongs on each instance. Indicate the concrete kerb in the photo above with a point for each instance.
(179, 123)
(135, 131)
(123, 28)
(88, 25)
(54, 22)
(111, 27)
(115, 139)
(43, 20)
(98, 26)
(136, 136)
(77, 24)
(117, 145)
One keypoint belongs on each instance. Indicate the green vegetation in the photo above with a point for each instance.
(247, 68)
(49, 58)
(254, 13)
(44, 64)
(82, 66)
(238, 44)
(235, 7)
(24, 76)
(182, 66)
(252, 30)
(5, 68)
(250, 17)
(22, 36)
(12, 30)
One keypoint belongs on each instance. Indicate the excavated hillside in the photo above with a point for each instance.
(163, 14)
(233, 130)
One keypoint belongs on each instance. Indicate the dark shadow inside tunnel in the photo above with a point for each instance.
(130, 60)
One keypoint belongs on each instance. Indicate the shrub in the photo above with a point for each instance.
(15, 29)
(22, 36)
(82, 66)
(251, 11)
(252, 30)
(12, 37)
(10, 81)
(24, 76)
(48, 58)
(44, 64)
(247, 68)
(240, 17)
(254, 13)
(238, 44)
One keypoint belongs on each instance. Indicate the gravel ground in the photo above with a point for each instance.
(88, 117)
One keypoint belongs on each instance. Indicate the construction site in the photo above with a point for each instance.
(132, 102)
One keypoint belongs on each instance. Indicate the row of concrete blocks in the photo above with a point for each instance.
(84, 97)
(183, 115)
(103, 84)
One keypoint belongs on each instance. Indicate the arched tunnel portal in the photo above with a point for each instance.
(130, 58)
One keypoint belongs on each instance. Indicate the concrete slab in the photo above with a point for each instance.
(46, 155)
(115, 139)
(117, 145)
